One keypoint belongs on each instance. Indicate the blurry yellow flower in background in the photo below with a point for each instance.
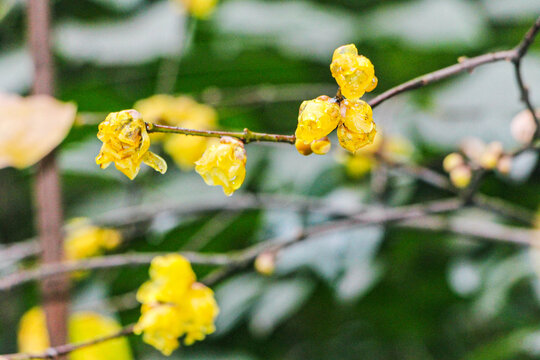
(461, 176)
(199, 8)
(84, 240)
(33, 337)
(354, 73)
(174, 305)
(184, 112)
(224, 164)
(126, 143)
(31, 127)
(392, 148)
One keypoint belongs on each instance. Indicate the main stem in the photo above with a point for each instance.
(246, 136)
(47, 184)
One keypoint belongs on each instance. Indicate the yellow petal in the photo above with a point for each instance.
(31, 127)
(156, 162)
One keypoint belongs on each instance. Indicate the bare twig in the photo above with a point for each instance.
(104, 262)
(473, 228)
(466, 64)
(246, 136)
(520, 51)
(376, 216)
(62, 350)
(482, 201)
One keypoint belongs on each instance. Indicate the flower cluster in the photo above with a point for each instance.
(391, 148)
(174, 305)
(84, 240)
(351, 116)
(475, 154)
(33, 336)
(180, 111)
(126, 143)
(224, 164)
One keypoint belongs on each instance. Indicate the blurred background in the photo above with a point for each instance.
(378, 292)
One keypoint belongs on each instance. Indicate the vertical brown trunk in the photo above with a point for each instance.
(47, 184)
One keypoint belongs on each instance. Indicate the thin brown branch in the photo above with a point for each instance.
(105, 262)
(62, 350)
(375, 216)
(520, 51)
(473, 228)
(405, 216)
(246, 136)
(467, 64)
(482, 201)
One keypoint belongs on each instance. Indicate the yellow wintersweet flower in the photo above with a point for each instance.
(174, 305)
(126, 143)
(170, 277)
(31, 127)
(357, 128)
(353, 141)
(354, 73)
(224, 164)
(161, 327)
(84, 240)
(33, 337)
(317, 118)
(199, 8)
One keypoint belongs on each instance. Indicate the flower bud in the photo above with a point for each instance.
(490, 156)
(265, 263)
(451, 161)
(303, 148)
(523, 126)
(321, 146)
(473, 148)
(461, 176)
(504, 165)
